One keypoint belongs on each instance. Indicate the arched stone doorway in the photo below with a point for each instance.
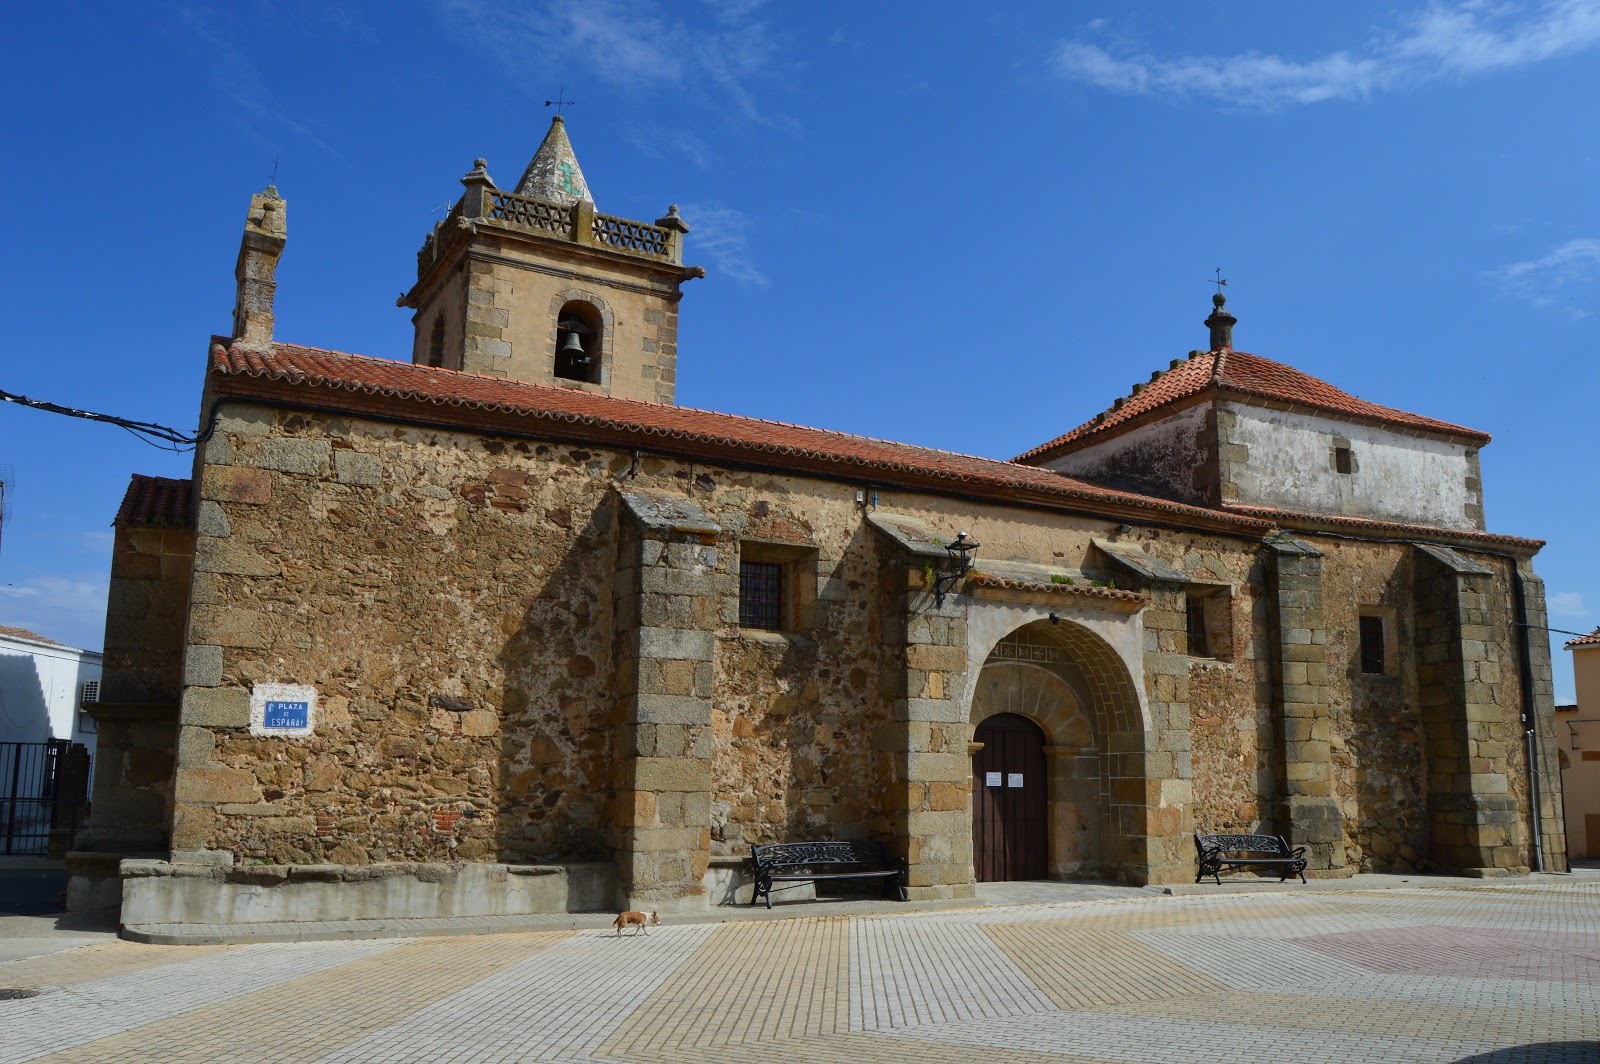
(1073, 688)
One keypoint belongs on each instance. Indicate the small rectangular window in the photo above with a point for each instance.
(761, 595)
(1372, 645)
(1341, 460)
(1199, 644)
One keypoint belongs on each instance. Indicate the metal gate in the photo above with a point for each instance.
(44, 789)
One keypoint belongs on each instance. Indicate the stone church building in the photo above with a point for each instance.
(503, 629)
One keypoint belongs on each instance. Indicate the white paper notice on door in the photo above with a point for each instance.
(1014, 779)
(991, 779)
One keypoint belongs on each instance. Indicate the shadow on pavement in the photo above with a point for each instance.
(1539, 1053)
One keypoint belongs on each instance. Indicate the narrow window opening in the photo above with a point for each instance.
(436, 344)
(1342, 461)
(761, 595)
(579, 333)
(1372, 645)
(1199, 644)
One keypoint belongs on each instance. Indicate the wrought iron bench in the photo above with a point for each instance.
(811, 862)
(1217, 853)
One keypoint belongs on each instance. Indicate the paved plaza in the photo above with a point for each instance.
(1503, 973)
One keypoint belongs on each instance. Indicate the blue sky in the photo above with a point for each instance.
(922, 221)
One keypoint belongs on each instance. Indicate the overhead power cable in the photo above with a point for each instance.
(160, 436)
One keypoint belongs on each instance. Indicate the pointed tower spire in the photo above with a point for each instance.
(553, 174)
(1221, 323)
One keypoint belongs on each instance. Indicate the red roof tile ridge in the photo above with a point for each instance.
(1187, 379)
(14, 632)
(691, 424)
(1414, 531)
(1226, 369)
(554, 389)
(1357, 405)
(155, 502)
(1590, 640)
(1017, 583)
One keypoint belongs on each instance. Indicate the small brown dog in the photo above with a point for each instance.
(644, 920)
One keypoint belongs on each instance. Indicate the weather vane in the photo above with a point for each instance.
(274, 171)
(560, 101)
(1220, 282)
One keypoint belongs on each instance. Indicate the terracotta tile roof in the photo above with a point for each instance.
(23, 633)
(1590, 640)
(479, 403)
(1243, 374)
(1387, 529)
(1014, 583)
(156, 502)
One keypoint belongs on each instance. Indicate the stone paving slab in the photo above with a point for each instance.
(330, 1008)
(1503, 975)
(75, 1014)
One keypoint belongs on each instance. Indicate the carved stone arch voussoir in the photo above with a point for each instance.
(1038, 694)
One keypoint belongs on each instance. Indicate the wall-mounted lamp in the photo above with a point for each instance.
(1055, 619)
(956, 567)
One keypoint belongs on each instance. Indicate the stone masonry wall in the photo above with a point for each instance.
(1376, 731)
(666, 608)
(1230, 726)
(141, 682)
(794, 713)
(1469, 712)
(440, 592)
(921, 760)
(512, 303)
(1541, 685)
(1308, 814)
(458, 602)
(144, 615)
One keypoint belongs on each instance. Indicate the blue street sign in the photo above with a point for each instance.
(287, 715)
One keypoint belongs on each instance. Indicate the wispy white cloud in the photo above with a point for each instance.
(1565, 278)
(219, 39)
(71, 609)
(671, 144)
(1444, 40)
(1567, 604)
(718, 49)
(722, 236)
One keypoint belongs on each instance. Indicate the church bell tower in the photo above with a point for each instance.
(534, 284)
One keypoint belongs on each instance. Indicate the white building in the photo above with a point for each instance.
(42, 689)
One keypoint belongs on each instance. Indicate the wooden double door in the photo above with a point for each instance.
(1009, 796)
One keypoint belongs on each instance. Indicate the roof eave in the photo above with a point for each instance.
(1400, 532)
(1051, 451)
(674, 273)
(499, 419)
(1437, 429)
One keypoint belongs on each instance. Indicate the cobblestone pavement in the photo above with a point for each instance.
(1501, 973)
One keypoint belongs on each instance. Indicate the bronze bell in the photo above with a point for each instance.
(573, 347)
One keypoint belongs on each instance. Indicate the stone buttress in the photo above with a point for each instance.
(1308, 813)
(666, 609)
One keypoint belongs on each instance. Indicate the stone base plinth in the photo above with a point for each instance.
(94, 880)
(162, 892)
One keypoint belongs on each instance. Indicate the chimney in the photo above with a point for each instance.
(1221, 324)
(264, 236)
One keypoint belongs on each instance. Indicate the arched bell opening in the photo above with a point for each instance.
(580, 342)
(436, 343)
(1069, 684)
